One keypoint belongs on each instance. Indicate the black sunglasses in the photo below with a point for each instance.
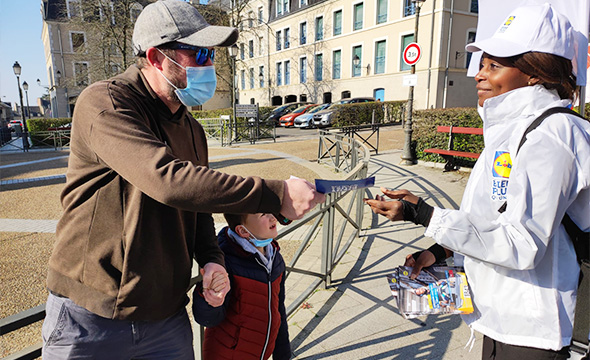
(202, 54)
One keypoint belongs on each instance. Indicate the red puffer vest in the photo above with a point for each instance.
(253, 311)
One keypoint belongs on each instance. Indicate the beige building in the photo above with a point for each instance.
(325, 50)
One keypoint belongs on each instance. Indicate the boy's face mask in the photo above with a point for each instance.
(256, 242)
(201, 83)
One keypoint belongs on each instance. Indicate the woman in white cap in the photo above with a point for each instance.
(508, 232)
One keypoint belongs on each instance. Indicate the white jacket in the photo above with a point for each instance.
(521, 264)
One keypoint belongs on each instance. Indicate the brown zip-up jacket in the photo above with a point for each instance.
(138, 201)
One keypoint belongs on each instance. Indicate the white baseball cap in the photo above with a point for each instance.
(536, 28)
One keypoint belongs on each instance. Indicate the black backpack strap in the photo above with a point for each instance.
(543, 116)
(534, 125)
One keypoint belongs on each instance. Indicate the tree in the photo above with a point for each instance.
(103, 44)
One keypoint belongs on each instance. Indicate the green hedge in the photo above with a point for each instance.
(42, 124)
(425, 135)
(362, 113)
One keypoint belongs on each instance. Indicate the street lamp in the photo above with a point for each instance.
(356, 61)
(50, 89)
(407, 155)
(26, 89)
(233, 52)
(17, 71)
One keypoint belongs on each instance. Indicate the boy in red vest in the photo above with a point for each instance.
(252, 323)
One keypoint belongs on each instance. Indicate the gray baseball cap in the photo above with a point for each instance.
(175, 20)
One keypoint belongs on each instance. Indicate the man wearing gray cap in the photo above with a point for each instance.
(139, 196)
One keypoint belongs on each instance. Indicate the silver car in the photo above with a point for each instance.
(306, 120)
(323, 118)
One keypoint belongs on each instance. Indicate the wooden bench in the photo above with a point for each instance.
(449, 154)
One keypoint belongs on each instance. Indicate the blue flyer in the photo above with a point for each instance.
(330, 186)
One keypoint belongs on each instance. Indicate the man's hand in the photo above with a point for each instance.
(299, 197)
(392, 210)
(215, 284)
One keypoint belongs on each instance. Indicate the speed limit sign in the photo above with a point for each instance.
(412, 53)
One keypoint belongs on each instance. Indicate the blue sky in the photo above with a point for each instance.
(20, 40)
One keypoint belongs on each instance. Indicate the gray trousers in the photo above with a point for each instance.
(72, 332)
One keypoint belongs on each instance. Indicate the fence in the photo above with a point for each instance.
(339, 219)
(228, 132)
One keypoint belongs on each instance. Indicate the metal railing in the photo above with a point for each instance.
(228, 132)
(339, 218)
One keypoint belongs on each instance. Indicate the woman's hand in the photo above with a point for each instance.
(425, 259)
(393, 210)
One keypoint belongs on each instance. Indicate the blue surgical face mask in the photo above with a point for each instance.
(256, 242)
(200, 84)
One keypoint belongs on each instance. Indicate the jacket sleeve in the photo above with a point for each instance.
(135, 152)
(205, 314)
(282, 349)
(206, 247)
(548, 175)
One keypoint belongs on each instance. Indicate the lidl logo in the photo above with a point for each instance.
(506, 24)
(502, 164)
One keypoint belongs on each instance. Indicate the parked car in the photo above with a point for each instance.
(276, 114)
(15, 125)
(323, 118)
(306, 120)
(288, 119)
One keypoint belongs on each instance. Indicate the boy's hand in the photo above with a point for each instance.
(299, 197)
(215, 284)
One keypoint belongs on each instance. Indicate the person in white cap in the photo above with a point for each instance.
(508, 231)
(139, 196)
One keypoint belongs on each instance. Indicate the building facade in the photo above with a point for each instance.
(324, 50)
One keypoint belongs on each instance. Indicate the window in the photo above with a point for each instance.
(251, 48)
(242, 56)
(282, 7)
(303, 70)
(336, 60)
(358, 16)
(261, 75)
(380, 53)
(278, 36)
(302, 3)
(409, 8)
(81, 73)
(319, 67)
(78, 40)
(243, 73)
(287, 66)
(260, 15)
(345, 94)
(406, 40)
(287, 35)
(357, 51)
(250, 19)
(260, 47)
(74, 8)
(474, 7)
(381, 11)
(279, 74)
(337, 22)
(319, 28)
(470, 39)
(302, 33)
(251, 78)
